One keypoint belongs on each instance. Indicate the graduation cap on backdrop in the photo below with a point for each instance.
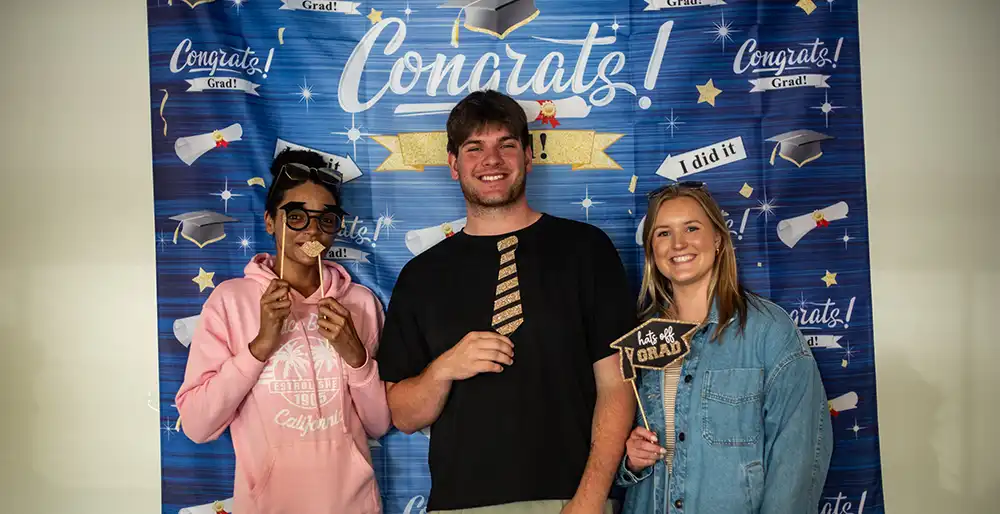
(201, 227)
(497, 18)
(799, 147)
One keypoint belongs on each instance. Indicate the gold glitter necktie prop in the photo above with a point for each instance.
(507, 311)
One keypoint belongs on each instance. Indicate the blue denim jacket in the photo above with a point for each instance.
(756, 427)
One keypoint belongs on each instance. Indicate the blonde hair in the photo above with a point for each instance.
(656, 293)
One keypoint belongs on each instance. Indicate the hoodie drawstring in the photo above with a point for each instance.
(343, 374)
(343, 393)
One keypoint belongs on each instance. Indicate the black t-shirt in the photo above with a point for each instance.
(522, 434)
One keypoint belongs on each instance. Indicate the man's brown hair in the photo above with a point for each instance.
(483, 109)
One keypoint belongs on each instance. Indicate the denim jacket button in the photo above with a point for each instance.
(680, 437)
(688, 379)
(679, 503)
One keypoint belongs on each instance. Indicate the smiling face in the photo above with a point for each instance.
(491, 167)
(685, 242)
(313, 197)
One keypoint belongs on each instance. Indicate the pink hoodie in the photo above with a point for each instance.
(300, 421)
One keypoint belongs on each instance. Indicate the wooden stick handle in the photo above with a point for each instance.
(319, 262)
(639, 401)
(281, 274)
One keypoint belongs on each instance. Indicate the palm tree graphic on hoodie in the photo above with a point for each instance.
(288, 373)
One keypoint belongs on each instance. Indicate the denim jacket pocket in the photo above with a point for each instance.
(731, 406)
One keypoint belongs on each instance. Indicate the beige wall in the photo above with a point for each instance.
(930, 74)
(77, 311)
(77, 308)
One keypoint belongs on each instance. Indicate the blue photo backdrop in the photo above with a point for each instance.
(761, 100)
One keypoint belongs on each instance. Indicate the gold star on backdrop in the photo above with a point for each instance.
(375, 16)
(204, 280)
(829, 278)
(708, 92)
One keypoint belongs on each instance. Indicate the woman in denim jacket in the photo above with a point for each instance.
(742, 424)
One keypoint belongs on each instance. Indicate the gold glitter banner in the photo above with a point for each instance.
(581, 149)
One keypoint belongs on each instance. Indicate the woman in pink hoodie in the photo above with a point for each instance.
(291, 368)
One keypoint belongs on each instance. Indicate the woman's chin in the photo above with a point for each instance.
(687, 278)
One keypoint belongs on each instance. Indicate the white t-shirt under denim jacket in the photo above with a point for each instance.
(751, 424)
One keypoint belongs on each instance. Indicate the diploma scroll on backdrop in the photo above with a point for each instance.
(217, 507)
(190, 148)
(418, 241)
(791, 231)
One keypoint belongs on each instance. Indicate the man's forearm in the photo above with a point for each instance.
(415, 403)
(613, 415)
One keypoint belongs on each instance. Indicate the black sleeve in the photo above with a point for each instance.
(403, 352)
(607, 298)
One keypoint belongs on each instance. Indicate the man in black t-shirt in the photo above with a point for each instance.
(498, 338)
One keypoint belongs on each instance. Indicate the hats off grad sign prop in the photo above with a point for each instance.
(655, 344)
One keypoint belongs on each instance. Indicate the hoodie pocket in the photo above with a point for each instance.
(328, 477)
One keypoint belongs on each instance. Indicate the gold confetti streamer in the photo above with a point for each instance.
(281, 35)
(631, 184)
(196, 3)
(256, 181)
(806, 5)
(163, 103)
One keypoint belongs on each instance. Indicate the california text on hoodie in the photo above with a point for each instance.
(300, 422)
